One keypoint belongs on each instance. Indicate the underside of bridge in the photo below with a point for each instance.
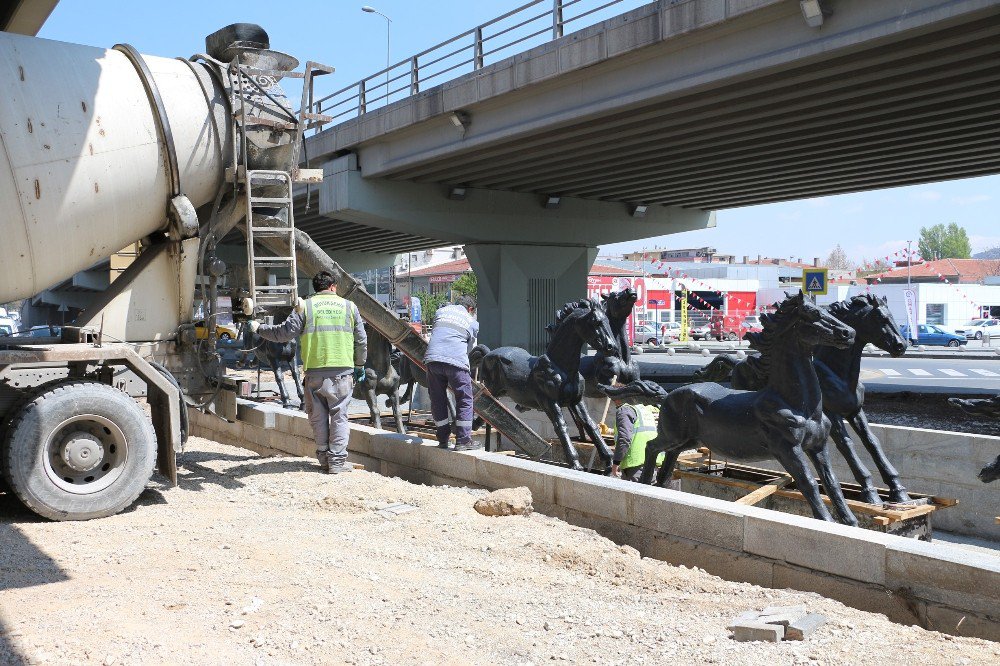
(671, 111)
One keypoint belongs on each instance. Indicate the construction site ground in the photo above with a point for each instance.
(264, 560)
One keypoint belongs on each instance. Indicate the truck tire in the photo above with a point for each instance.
(78, 450)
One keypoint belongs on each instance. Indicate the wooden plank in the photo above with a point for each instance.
(764, 491)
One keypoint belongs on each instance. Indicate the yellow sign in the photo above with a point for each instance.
(815, 281)
(684, 317)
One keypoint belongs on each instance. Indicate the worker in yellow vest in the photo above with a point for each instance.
(635, 425)
(334, 348)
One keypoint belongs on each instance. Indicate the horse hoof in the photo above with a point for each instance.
(899, 497)
(872, 497)
(578, 467)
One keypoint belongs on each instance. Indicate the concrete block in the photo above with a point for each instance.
(457, 465)
(361, 439)
(597, 495)
(633, 35)
(961, 623)
(579, 53)
(494, 471)
(827, 547)
(749, 630)
(255, 414)
(406, 473)
(461, 94)
(784, 619)
(728, 564)
(745, 616)
(621, 533)
(800, 629)
(689, 516)
(797, 611)
(393, 447)
(873, 598)
(944, 574)
(370, 464)
(536, 68)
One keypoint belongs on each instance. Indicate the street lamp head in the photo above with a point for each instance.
(370, 10)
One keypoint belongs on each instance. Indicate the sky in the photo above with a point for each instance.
(868, 225)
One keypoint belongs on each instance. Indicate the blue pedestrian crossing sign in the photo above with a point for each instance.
(814, 281)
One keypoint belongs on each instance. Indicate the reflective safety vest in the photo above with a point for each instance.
(327, 338)
(643, 430)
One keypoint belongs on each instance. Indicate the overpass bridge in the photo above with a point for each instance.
(642, 125)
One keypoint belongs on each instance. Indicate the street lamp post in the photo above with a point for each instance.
(371, 10)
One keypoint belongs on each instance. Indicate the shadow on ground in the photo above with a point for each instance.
(193, 473)
(22, 565)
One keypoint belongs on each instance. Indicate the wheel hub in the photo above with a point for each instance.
(82, 451)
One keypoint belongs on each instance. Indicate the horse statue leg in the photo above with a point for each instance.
(297, 380)
(279, 377)
(821, 461)
(838, 431)
(396, 411)
(897, 492)
(793, 459)
(669, 461)
(587, 425)
(554, 412)
(372, 399)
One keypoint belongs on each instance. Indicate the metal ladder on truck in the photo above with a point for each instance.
(273, 215)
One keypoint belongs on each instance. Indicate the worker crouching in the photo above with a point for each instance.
(447, 360)
(635, 426)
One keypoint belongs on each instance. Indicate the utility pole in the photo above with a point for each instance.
(909, 260)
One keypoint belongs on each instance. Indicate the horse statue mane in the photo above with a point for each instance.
(855, 306)
(572, 310)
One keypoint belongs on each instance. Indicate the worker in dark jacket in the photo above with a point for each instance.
(447, 358)
(334, 349)
(635, 425)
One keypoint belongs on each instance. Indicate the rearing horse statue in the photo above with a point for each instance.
(839, 372)
(552, 381)
(784, 420)
(600, 368)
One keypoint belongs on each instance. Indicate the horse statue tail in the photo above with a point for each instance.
(477, 355)
(639, 391)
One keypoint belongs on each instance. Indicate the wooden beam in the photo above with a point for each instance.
(764, 491)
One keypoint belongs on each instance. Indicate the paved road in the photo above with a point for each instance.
(903, 374)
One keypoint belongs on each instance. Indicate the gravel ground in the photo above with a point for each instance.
(256, 560)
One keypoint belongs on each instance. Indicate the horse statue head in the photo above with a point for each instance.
(871, 319)
(806, 323)
(588, 320)
(618, 304)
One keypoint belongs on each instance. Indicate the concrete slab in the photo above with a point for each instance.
(689, 516)
(945, 574)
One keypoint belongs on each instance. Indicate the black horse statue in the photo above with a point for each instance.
(381, 378)
(839, 373)
(273, 355)
(785, 419)
(600, 367)
(552, 381)
(989, 407)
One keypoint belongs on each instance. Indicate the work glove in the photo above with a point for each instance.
(254, 325)
(359, 374)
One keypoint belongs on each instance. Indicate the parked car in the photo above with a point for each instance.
(932, 335)
(732, 327)
(645, 335)
(700, 331)
(223, 331)
(6, 329)
(670, 330)
(980, 328)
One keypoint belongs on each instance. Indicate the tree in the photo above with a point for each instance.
(838, 259)
(941, 242)
(466, 285)
(429, 304)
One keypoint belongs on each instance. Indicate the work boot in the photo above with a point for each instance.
(469, 446)
(340, 469)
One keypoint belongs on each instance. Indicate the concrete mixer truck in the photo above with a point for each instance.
(108, 148)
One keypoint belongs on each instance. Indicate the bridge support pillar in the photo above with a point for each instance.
(522, 286)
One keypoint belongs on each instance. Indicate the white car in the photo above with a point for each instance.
(980, 328)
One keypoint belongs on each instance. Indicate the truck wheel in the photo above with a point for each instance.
(78, 450)
(731, 336)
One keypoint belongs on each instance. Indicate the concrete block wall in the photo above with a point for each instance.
(936, 585)
(930, 462)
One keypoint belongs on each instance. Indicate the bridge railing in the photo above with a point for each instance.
(524, 27)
